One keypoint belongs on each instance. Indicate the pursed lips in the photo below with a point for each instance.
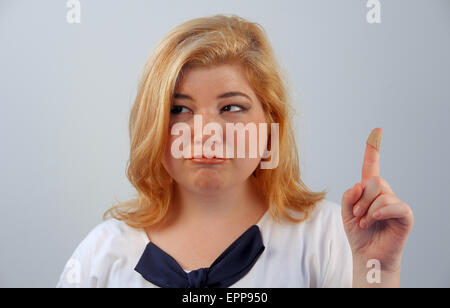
(205, 160)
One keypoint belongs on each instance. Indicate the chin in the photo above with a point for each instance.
(208, 184)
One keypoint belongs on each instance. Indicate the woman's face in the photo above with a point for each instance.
(209, 92)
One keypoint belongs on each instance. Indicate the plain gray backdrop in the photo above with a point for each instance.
(66, 91)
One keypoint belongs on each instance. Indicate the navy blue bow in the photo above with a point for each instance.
(159, 268)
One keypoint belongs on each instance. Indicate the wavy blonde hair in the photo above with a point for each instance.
(204, 42)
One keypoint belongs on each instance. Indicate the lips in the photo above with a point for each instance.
(205, 160)
(213, 157)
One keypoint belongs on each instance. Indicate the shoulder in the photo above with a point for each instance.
(324, 215)
(326, 212)
(112, 230)
(110, 243)
(335, 251)
(319, 242)
(322, 226)
(109, 236)
(325, 223)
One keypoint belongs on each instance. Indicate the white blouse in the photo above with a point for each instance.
(313, 253)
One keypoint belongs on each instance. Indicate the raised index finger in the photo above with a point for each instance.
(371, 163)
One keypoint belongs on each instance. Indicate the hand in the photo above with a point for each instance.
(376, 221)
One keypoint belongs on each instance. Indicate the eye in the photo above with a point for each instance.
(233, 108)
(177, 109)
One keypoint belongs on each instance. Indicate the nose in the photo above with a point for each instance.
(205, 125)
(208, 127)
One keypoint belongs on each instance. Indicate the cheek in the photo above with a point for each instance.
(244, 167)
(257, 142)
(168, 161)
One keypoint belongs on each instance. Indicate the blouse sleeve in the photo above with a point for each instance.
(339, 271)
(78, 271)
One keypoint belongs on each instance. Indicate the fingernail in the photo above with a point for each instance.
(374, 138)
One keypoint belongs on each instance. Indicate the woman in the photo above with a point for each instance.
(210, 220)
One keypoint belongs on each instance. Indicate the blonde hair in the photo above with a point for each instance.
(204, 42)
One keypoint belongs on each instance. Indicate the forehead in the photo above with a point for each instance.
(218, 78)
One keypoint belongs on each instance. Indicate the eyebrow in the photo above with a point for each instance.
(224, 95)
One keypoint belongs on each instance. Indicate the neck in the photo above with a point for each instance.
(239, 204)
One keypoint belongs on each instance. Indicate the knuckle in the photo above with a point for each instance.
(408, 210)
(379, 181)
(373, 181)
(384, 199)
(386, 185)
(346, 193)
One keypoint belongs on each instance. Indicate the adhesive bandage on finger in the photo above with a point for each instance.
(374, 138)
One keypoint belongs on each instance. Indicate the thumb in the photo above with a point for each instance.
(349, 199)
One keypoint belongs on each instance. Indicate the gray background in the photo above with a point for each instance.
(66, 91)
